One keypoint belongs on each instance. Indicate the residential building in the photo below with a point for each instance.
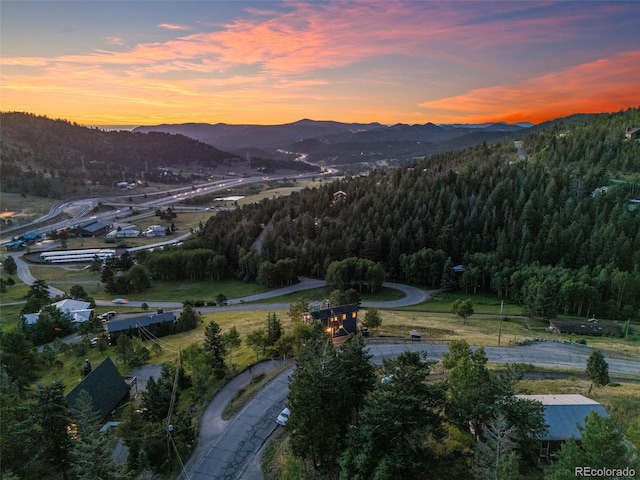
(145, 325)
(105, 386)
(79, 311)
(337, 321)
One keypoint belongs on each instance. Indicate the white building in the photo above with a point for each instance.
(128, 233)
(79, 311)
(155, 231)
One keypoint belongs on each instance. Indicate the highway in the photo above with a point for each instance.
(83, 209)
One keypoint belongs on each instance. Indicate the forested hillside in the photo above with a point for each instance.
(541, 231)
(55, 158)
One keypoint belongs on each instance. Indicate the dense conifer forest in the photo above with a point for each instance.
(556, 231)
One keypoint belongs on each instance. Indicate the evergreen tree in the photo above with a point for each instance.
(400, 424)
(91, 451)
(156, 400)
(318, 401)
(231, 341)
(9, 265)
(188, 320)
(274, 328)
(18, 358)
(39, 290)
(449, 281)
(52, 323)
(597, 369)
(359, 372)
(51, 415)
(18, 439)
(78, 292)
(372, 318)
(214, 344)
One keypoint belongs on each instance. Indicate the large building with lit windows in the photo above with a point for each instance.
(337, 321)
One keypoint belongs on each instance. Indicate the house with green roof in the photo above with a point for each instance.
(106, 387)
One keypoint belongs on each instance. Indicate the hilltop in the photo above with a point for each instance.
(57, 159)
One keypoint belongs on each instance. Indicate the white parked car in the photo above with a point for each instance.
(283, 417)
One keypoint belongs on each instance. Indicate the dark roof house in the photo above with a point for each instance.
(106, 387)
(30, 237)
(17, 245)
(93, 228)
(150, 324)
(338, 321)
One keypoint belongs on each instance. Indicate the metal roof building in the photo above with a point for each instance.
(79, 311)
(563, 414)
(139, 321)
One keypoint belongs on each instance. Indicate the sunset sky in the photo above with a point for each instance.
(263, 62)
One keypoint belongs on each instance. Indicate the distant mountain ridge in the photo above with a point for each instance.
(55, 158)
(329, 142)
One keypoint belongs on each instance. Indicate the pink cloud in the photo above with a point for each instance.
(602, 85)
(115, 41)
(311, 36)
(173, 26)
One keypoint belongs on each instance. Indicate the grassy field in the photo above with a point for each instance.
(23, 208)
(489, 330)
(188, 290)
(56, 275)
(279, 191)
(482, 304)
(15, 293)
(317, 294)
(10, 314)
(432, 318)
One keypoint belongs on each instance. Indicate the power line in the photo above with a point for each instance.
(184, 470)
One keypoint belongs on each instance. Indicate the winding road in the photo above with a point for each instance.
(227, 450)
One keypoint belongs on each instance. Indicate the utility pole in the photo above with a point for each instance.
(500, 324)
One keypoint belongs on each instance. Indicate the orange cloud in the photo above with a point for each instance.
(314, 58)
(598, 86)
